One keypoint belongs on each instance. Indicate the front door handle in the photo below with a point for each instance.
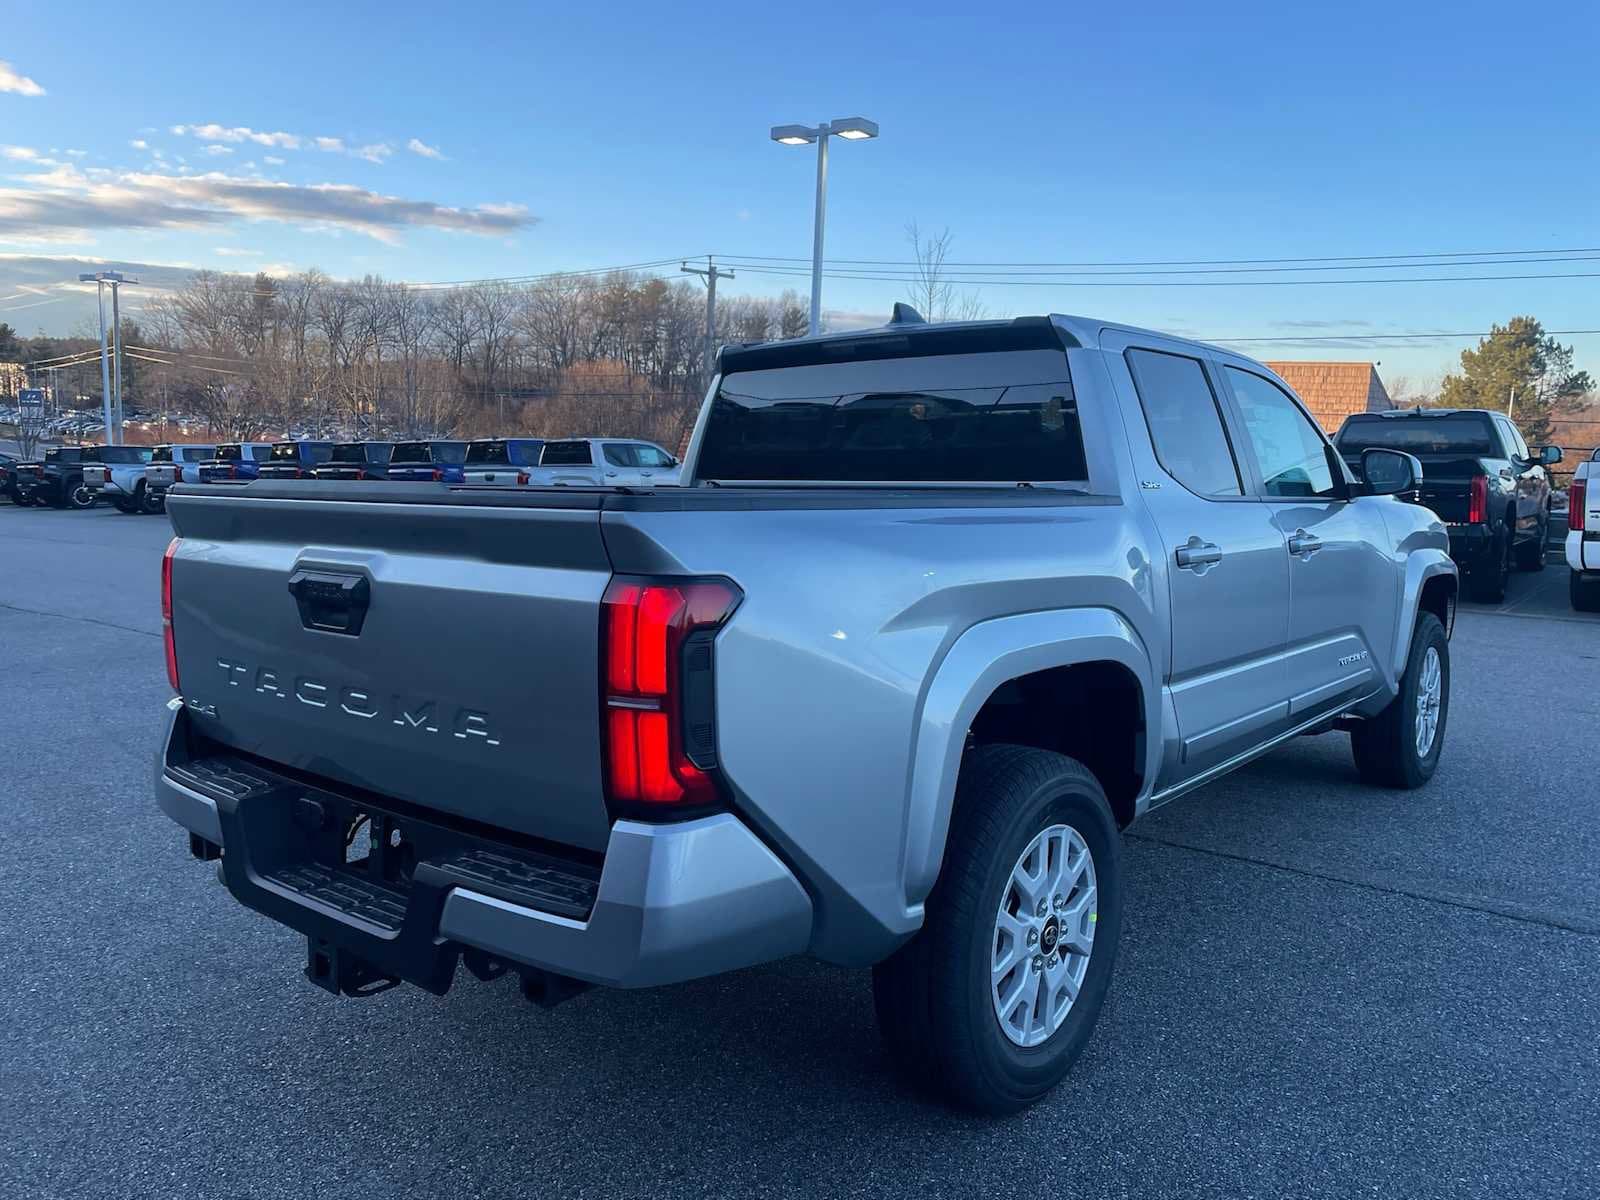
(1197, 554)
(1304, 544)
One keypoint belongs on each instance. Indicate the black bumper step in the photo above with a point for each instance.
(346, 892)
(287, 850)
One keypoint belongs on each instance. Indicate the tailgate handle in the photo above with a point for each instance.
(331, 602)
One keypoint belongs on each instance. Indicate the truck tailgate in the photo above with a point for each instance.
(466, 679)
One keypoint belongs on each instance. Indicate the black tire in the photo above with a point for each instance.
(1585, 593)
(124, 505)
(150, 502)
(1530, 555)
(933, 996)
(1487, 579)
(81, 497)
(1385, 746)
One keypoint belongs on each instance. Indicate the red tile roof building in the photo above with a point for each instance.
(1334, 390)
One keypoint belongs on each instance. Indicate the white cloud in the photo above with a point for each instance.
(418, 146)
(12, 80)
(331, 144)
(76, 153)
(235, 252)
(20, 153)
(212, 132)
(139, 144)
(68, 203)
(215, 150)
(267, 158)
(376, 152)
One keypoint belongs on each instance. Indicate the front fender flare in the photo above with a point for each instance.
(987, 655)
(1421, 566)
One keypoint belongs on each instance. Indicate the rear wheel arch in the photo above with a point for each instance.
(1029, 666)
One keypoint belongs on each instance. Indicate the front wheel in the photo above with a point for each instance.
(996, 996)
(1400, 747)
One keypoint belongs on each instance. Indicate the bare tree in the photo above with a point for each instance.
(931, 291)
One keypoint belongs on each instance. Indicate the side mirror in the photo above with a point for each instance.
(1549, 456)
(1389, 472)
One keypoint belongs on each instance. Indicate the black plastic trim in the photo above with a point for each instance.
(1020, 333)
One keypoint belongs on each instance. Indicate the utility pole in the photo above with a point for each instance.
(114, 436)
(1511, 401)
(709, 274)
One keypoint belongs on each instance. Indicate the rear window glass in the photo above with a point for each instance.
(196, 453)
(1462, 434)
(63, 455)
(487, 452)
(566, 454)
(230, 453)
(123, 455)
(358, 452)
(1010, 431)
(447, 452)
(161, 454)
(412, 452)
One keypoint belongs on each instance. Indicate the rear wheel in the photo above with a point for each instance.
(1488, 578)
(1585, 592)
(151, 502)
(995, 998)
(82, 496)
(1400, 747)
(1530, 555)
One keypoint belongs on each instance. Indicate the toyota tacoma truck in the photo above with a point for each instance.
(937, 611)
(117, 473)
(171, 464)
(1491, 491)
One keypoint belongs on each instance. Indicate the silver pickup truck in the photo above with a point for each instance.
(937, 612)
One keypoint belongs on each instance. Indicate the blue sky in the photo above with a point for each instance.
(576, 136)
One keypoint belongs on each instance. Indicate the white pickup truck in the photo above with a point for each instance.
(1583, 535)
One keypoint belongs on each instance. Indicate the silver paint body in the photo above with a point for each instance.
(870, 635)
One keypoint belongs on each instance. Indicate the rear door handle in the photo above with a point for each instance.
(1198, 554)
(1304, 544)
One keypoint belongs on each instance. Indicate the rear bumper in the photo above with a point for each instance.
(668, 902)
(1583, 551)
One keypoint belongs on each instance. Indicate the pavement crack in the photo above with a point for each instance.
(1510, 912)
(42, 612)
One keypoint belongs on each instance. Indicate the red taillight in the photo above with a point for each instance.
(1575, 505)
(177, 473)
(361, 472)
(233, 471)
(656, 661)
(1478, 504)
(438, 475)
(522, 477)
(166, 614)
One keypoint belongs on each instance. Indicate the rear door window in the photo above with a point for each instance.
(619, 455)
(124, 455)
(1185, 422)
(652, 457)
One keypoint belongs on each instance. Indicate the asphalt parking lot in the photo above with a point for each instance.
(1324, 990)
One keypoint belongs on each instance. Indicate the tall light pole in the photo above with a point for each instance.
(854, 129)
(114, 350)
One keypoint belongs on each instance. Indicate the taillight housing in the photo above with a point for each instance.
(166, 614)
(1575, 504)
(361, 472)
(1478, 500)
(657, 658)
(177, 472)
(522, 477)
(438, 475)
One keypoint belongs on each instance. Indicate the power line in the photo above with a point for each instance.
(1197, 262)
(1164, 283)
(960, 275)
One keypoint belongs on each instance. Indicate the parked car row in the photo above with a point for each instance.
(137, 478)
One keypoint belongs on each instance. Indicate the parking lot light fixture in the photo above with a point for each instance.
(855, 129)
